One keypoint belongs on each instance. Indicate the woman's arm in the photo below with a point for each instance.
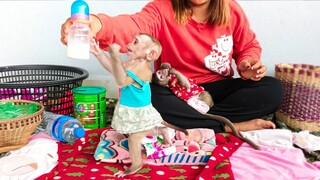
(246, 46)
(122, 28)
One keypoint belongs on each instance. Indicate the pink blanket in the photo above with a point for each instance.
(194, 149)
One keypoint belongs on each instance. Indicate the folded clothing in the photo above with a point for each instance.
(37, 157)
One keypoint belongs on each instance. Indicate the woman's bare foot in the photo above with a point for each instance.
(255, 124)
(131, 170)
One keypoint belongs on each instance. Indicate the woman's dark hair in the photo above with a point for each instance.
(219, 13)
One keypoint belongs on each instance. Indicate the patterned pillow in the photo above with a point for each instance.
(193, 149)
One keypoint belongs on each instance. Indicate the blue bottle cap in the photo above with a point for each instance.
(79, 132)
(79, 11)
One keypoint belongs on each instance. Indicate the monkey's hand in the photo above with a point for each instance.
(183, 80)
(114, 51)
(94, 47)
(165, 65)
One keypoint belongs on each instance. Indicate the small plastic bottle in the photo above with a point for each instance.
(79, 32)
(63, 128)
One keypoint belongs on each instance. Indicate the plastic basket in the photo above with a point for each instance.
(49, 84)
(14, 133)
(300, 108)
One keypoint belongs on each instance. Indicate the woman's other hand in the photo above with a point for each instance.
(252, 69)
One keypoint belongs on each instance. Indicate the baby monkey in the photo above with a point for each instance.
(187, 89)
(183, 87)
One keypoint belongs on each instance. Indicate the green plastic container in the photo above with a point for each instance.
(90, 106)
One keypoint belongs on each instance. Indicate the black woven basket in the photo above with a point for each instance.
(49, 84)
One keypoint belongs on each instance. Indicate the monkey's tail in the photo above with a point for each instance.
(176, 128)
(234, 130)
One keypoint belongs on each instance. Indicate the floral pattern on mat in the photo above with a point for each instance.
(76, 161)
(192, 149)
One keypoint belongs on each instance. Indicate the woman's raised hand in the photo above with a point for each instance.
(94, 24)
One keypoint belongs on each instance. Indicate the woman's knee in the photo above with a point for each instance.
(275, 87)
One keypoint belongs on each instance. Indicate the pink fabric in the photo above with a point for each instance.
(272, 163)
(194, 149)
(316, 164)
(41, 135)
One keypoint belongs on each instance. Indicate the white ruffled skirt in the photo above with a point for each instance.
(128, 120)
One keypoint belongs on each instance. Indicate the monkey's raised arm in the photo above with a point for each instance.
(183, 80)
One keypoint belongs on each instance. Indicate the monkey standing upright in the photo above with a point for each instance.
(134, 114)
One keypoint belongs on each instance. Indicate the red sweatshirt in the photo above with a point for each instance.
(198, 50)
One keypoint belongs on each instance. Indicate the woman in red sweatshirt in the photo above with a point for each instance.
(200, 38)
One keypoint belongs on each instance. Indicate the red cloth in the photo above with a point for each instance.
(76, 161)
(181, 91)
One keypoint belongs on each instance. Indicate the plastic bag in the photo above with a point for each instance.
(9, 110)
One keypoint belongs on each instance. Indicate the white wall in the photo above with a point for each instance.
(289, 31)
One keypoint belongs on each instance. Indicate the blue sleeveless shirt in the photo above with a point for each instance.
(134, 96)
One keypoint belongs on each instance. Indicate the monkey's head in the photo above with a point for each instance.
(162, 76)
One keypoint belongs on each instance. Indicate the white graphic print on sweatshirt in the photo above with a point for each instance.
(218, 59)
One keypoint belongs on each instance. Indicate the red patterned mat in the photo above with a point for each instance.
(76, 161)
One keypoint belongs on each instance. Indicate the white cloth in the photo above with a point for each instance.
(197, 104)
(306, 141)
(271, 137)
(284, 138)
(127, 120)
(39, 156)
